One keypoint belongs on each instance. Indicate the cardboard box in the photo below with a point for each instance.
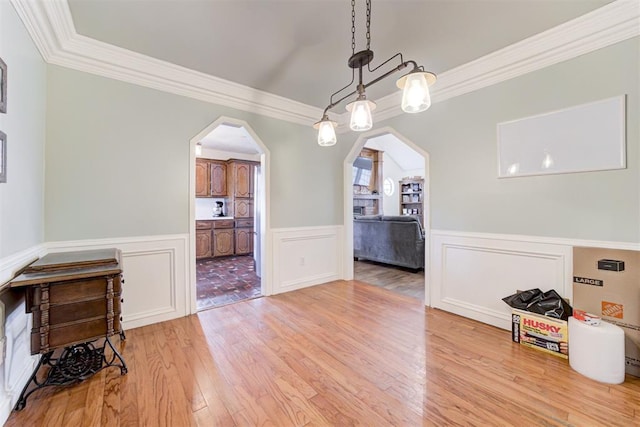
(606, 282)
(540, 332)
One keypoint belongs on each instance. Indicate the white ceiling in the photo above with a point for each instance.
(406, 157)
(298, 49)
(230, 138)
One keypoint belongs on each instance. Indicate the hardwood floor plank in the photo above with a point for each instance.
(397, 279)
(129, 415)
(93, 400)
(169, 344)
(111, 402)
(325, 364)
(339, 354)
(77, 400)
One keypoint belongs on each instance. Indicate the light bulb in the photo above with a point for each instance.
(361, 119)
(326, 134)
(415, 96)
(547, 162)
(198, 149)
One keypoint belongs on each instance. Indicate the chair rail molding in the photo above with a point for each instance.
(51, 27)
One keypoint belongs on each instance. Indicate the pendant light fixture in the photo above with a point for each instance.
(415, 86)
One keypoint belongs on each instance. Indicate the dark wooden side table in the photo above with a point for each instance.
(75, 300)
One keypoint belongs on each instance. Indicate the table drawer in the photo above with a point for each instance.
(75, 291)
(73, 333)
(81, 311)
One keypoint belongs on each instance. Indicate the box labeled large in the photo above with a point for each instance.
(543, 333)
(606, 282)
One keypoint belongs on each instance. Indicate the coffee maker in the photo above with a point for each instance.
(218, 211)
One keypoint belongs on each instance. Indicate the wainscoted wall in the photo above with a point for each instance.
(16, 362)
(472, 272)
(155, 273)
(306, 256)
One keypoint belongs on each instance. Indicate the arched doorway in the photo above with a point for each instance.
(349, 206)
(261, 200)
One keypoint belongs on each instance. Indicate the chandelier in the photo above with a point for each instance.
(415, 86)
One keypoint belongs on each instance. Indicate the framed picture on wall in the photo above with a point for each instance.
(3, 86)
(3, 157)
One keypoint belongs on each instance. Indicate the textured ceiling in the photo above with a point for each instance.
(298, 49)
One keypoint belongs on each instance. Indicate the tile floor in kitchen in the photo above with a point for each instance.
(226, 280)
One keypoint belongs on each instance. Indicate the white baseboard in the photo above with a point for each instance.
(306, 256)
(155, 270)
(472, 272)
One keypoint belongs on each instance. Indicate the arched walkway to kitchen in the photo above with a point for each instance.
(245, 136)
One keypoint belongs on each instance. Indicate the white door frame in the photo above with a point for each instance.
(265, 218)
(348, 203)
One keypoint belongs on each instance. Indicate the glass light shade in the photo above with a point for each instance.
(198, 149)
(415, 95)
(326, 133)
(547, 162)
(361, 119)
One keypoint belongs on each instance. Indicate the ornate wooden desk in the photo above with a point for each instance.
(75, 299)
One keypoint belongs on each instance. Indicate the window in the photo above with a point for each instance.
(388, 187)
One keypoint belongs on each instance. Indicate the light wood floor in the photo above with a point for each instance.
(403, 281)
(339, 354)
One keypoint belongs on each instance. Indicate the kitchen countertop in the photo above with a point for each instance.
(213, 218)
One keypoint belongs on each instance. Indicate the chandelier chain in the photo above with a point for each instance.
(368, 24)
(353, 26)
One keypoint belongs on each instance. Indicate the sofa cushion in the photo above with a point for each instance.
(391, 240)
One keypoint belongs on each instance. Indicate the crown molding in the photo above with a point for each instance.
(610, 24)
(51, 27)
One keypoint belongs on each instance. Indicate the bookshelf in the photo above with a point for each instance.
(411, 196)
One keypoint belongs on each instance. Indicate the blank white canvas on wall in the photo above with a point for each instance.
(587, 137)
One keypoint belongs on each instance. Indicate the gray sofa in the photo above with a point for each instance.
(396, 240)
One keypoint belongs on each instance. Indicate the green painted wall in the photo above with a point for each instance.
(117, 158)
(118, 161)
(22, 196)
(460, 136)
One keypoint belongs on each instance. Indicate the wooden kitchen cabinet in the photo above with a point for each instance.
(243, 208)
(203, 239)
(233, 180)
(244, 241)
(218, 173)
(203, 244)
(203, 178)
(211, 178)
(223, 240)
(240, 175)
